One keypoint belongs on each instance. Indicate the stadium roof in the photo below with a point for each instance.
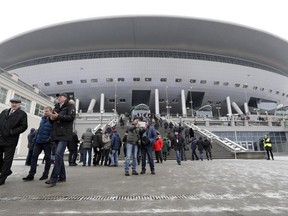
(148, 33)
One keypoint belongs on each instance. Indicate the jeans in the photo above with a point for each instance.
(131, 153)
(194, 154)
(89, 151)
(38, 147)
(114, 158)
(29, 157)
(59, 167)
(147, 150)
(178, 156)
(201, 153)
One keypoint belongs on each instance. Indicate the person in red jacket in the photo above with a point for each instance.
(158, 145)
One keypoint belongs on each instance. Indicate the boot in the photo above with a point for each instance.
(28, 178)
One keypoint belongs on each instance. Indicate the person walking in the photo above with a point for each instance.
(177, 142)
(62, 116)
(158, 146)
(200, 146)
(115, 148)
(97, 146)
(42, 141)
(87, 138)
(13, 122)
(193, 148)
(207, 147)
(73, 149)
(165, 148)
(268, 147)
(30, 146)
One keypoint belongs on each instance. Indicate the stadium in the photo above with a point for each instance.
(182, 63)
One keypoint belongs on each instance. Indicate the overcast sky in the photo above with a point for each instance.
(20, 16)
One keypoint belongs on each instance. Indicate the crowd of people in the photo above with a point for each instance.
(141, 141)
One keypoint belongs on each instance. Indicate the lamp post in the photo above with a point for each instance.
(115, 97)
(191, 102)
(167, 102)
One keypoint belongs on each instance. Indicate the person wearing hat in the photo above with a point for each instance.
(13, 122)
(62, 116)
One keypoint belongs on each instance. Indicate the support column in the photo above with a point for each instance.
(102, 103)
(183, 101)
(229, 106)
(77, 105)
(246, 109)
(91, 106)
(157, 112)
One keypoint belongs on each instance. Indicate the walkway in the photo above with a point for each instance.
(218, 187)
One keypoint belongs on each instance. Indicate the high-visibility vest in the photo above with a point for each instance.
(267, 142)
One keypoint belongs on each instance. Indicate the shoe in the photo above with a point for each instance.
(51, 183)
(61, 180)
(43, 178)
(134, 172)
(2, 181)
(127, 173)
(28, 178)
(73, 164)
(83, 165)
(268, 158)
(179, 163)
(142, 172)
(153, 172)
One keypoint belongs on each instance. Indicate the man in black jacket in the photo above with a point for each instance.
(13, 122)
(97, 146)
(63, 116)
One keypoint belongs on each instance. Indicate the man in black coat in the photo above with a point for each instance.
(63, 116)
(13, 122)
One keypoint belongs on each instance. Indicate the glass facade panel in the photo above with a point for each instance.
(25, 103)
(3, 95)
(279, 140)
(39, 110)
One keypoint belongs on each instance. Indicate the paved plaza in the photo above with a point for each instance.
(218, 187)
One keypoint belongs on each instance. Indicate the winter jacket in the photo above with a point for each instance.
(63, 126)
(115, 141)
(177, 142)
(87, 139)
(11, 126)
(43, 134)
(158, 145)
(165, 145)
(151, 135)
(97, 140)
(194, 144)
(207, 144)
(200, 144)
(133, 134)
(73, 143)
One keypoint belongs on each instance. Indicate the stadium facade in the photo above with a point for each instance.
(132, 60)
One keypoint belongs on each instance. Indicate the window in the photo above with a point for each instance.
(161, 100)
(225, 83)
(283, 94)
(203, 81)
(122, 100)
(59, 83)
(237, 85)
(255, 88)
(148, 79)
(94, 80)
(245, 86)
(216, 82)
(83, 81)
(136, 79)
(112, 100)
(178, 80)
(163, 80)
(121, 79)
(270, 91)
(25, 103)
(69, 82)
(192, 81)
(261, 89)
(3, 95)
(109, 79)
(277, 92)
(39, 110)
(46, 84)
